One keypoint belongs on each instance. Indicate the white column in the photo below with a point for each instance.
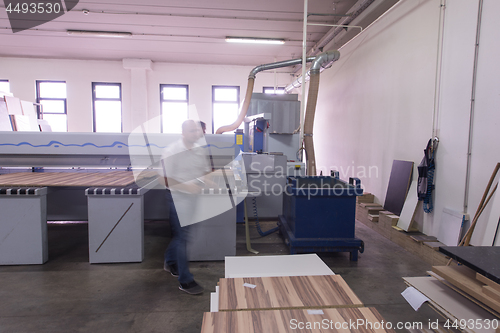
(139, 111)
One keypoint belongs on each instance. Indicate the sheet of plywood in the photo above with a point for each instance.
(29, 111)
(397, 188)
(114, 178)
(450, 227)
(285, 292)
(464, 278)
(22, 123)
(13, 105)
(449, 302)
(5, 123)
(284, 321)
(44, 125)
(285, 265)
(408, 211)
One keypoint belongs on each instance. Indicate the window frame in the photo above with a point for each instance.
(214, 87)
(274, 89)
(170, 85)
(94, 99)
(6, 80)
(39, 108)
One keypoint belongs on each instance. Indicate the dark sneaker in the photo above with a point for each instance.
(172, 269)
(191, 288)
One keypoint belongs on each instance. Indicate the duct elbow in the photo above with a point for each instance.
(324, 59)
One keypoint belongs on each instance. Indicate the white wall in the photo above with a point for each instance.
(376, 104)
(23, 72)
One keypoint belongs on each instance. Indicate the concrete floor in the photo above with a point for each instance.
(67, 294)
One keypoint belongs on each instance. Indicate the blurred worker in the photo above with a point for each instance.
(185, 165)
(203, 127)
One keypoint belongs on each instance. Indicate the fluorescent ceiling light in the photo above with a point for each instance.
(252, 40)
(99, 33)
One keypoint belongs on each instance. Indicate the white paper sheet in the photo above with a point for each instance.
(414, 297)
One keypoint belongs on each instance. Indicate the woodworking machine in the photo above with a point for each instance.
(115, 214)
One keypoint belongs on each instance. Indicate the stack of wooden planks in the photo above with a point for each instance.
(385, 223)
(288, 303)
(284, 321)
(87, 179)
(478, 288)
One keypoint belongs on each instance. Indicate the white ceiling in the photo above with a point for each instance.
(186, 31)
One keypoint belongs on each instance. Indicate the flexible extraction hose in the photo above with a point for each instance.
(312, 98)
(250, 85)
(244, 109)
(322, 60)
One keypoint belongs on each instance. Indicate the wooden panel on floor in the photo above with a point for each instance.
(423, 238)
(282, 321)
(399, 182)
(286, 292)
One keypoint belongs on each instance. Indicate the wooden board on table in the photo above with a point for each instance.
(286, 292)
(280, 321)
(81, 179)
(397, 188)
(464, 278)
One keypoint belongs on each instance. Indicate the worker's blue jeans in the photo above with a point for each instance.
(176, 252)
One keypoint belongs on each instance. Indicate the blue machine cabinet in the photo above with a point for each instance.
(319, 215)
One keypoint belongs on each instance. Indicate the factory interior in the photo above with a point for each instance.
(236, 166)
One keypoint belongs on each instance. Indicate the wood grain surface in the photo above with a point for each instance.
(278, 321)
(464, 278)
(286, 292)
(32, 179)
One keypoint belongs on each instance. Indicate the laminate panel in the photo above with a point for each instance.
(399, 182)
(282, 265)
(286, 292)
(281, 321)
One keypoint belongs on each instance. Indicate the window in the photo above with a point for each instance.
(107, 103)
(225, 105)
(4, 87)
(174, 107)
(51, 95)
(273, 90)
